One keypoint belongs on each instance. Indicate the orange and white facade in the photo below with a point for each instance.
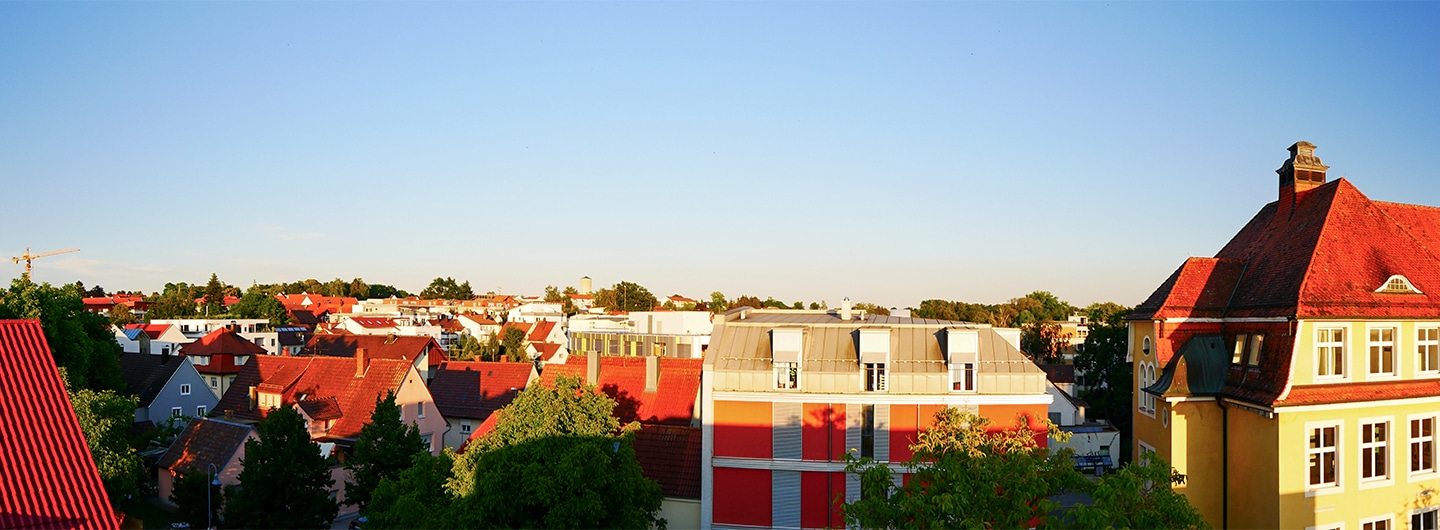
(787, 393)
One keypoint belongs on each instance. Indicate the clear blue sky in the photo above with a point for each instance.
(884, 151)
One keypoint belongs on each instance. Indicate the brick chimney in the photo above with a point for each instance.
(1301, 173)
(361, 362)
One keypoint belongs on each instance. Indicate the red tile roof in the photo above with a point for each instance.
(1352, 392)
(476, 389)
(152, 330)
(318, 378)
(540, 332)
(407, 348)
(547, 349)
(623, 378)
(47, 477)
(481, 430)
(670, 455)
(204, 441)
(368, 322)
(480, 319)
(222, 346)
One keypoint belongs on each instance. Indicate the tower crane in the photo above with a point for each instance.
(28, 257)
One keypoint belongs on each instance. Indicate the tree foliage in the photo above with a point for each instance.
(214, 296)
(469, 348)
(1043, 341)
(552, 294)
(81, 341)
(1106, 379)
(120, 315)
(386, 447)
(967, 475)
(873, 309)
(717, 302)
(446, 289)
(747, 301)
(416, 498)
(191, 503)
(177, 300)
(285, 482)
(1140, 495)
(1034, 307)
(257, 304)
(104, 415)
(513, 344)
(625, 296)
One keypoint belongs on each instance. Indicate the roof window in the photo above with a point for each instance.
(1398, 284)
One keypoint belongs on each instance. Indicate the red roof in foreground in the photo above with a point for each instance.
(623, 378)
(1345, 393)
(318, 378)
(47, 478)
(476, 389)
(670, 455)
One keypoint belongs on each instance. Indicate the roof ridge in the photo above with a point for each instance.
(1403, 229)
(1309, 257)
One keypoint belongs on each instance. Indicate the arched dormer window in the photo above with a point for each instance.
(1398, 284)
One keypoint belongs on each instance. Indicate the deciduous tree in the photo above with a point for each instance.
(1043, 341)
(1139, 495)
(104, 415)
(446, 289)
(512, 340)
(257, 304)
(717, 302)
(285, 482)
(747, 301)
(625, 296)
(191, 503)
(80, 341)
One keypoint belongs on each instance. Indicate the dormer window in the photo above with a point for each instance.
(1398, 284)
(785, 347)
(963, 355)
(875, 358)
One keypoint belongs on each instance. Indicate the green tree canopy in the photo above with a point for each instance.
(1043, 341)
(214, 296)
(1107, 379)
(446, 289)
(81, 341)
(747, 300)
(104, 415)
(386, 447)
(285, 482)
(1140, 495)
(717, 302)
(120, 315)
(257, 304)
(417, 497)
(552, 294)
(625, 296)
(513, 345)
(191, 503)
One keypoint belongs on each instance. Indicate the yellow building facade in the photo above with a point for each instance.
(1295, 377)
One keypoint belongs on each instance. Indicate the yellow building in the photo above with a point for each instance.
(1295, 376)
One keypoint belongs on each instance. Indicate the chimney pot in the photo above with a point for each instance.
(652, 373)
(845, 313)
(1303, 170)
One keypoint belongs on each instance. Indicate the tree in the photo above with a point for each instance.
(96, 291)
(336, 287)
(1106, 379)
(569, 306)
(257, 304)
(625, 296)
(1042, 341)
(447, 289)
(717, 302)
(191, 502)
(872, 308)
(359, 289)
(1106, 314)
(416, 498)
(214, 296)
(386, 447)
(285, 482)
(967, 475)
(1139, 495)
(552, 294)
(104, 415)
(177, 300)
(378, 290)
(513, 342)
(556, 458)
(120, 315)
(80, 341)
(748, 301)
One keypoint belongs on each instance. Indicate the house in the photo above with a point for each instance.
(423, 352)
(683, 334)
(205, 442)
(153, 338)
(478, 325)
(336, 397)
(1294, 377)
(670, 456)
(292, 339)
(47, 477)
(136, 303)
(218, 357)
(581, 302)
(544, 339)
(256, 330)
(467, 393)
(539, 311)
(789, 393)
(168, 386)
(318, 304)
(649, 390)
(369, 325)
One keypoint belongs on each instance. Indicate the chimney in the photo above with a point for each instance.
(592, 368)
(1302, 172)
(253, 397)
(845, 309)
(360, 362)
(652, 373)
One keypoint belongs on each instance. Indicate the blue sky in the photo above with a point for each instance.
(884, 151)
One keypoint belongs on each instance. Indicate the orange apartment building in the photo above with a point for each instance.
(787, 393)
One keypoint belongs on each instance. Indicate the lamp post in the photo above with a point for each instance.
(214, 475)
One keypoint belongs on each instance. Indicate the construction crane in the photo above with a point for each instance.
(28, 257)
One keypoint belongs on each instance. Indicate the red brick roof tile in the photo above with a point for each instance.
(47, 477)
(670, 455)
(204, 441)
(1353, 392)
(623, 378)
(407, 348)
(476, 389)
(317, 378)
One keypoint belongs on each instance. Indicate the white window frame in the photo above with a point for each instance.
(214, 382)
(176, 412)
(1387, 478)
(1242, 344)
(1388, 519)
(1412, 439)
(200, 411)
(1371, 345)
(1420, 345)
(184, 389)
(1344, 366)
(420, 410)
(1337, 484)
(876, 385)
(958, 373)
(790, 373)
(1434, 512)
(465, 427)
(1145, 377)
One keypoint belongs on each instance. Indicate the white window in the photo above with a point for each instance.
(1323, 455)
(1424, 520)
(1374, 450)
(428, 445)
(1422, 445)
(420, 409)
(465, 426)
(875, 377)
(184, 390)
(175, 412)
(787, 376)
(214, 382)
(200, 411)
(1427, 346)
(1383, 522)
(1382, 351)
(201, 360)
(962, 377)
(240, 360)
(1330, 352)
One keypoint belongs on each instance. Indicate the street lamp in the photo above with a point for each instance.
(214, 475)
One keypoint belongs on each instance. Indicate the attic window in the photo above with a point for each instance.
(1398, 284)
